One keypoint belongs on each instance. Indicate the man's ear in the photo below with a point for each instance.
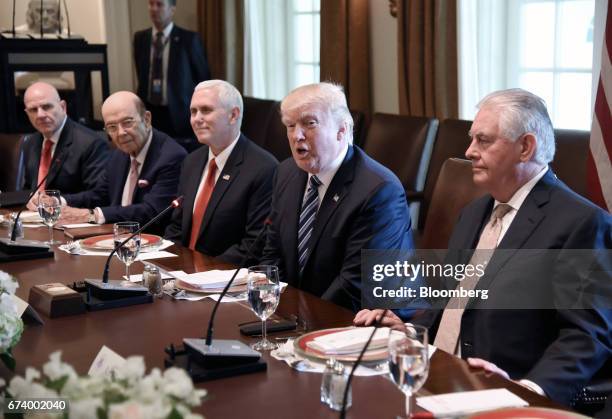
(147, 118)
(234, 115)
(342, 131)
(529, 144)
(63, 105)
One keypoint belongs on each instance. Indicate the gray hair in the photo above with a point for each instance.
(229, 96)
(521, 112)
(331, 97)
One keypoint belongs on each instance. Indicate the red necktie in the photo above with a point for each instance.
(45, 162)
(201, 203)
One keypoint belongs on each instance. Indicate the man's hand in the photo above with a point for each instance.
(368, 317)
(72, 215)
(487, 366)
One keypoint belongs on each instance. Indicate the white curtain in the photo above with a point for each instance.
(265, 49)
(481, 50)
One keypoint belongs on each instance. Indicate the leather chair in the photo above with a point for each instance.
(570, 162)
(454, 189)
(257, 116)
(359, 128)
(404, 145)
(10, 149)
(451, 141)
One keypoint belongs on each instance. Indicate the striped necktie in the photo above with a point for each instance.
(310, 206)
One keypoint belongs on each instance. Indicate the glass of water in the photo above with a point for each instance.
(130, 250)
(409, 360)
(263, 288)
(49, 209)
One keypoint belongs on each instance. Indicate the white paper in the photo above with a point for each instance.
(80, 225)
(21, 305)
(466, 402)
(238, 297)
(214, 279)
(82, 252)
(106, 362)
(350, 340)
(30, 217)
(155, 255)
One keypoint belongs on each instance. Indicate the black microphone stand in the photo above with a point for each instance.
(104, 294)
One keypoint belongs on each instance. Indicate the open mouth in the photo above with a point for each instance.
(301, 151)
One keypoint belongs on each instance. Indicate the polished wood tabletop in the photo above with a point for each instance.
(146, 329)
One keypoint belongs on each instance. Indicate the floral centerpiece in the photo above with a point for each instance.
(125, 393)
(11, 325)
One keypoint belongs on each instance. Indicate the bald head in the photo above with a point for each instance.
(126, 121)
(45, 110)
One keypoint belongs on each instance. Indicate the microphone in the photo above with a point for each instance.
(41, 19)
(118, 293)
(14, 18)
(56, 165)
(209, 332)
(226, 358)
(356, 364)
(59, 19)
(174, 204)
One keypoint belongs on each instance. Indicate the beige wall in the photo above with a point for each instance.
(383, 58)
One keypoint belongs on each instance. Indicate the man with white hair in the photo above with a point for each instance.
(546, 322)
(227, 183)
(330, 200)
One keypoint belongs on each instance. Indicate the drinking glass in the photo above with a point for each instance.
(49, 209)
(263, 288)
(409, 360)
(129, 251)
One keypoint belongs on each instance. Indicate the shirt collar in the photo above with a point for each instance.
(140, 157)
(327, 176)
(222, 157)
(55, 137)
(521, 194)
(166, 31)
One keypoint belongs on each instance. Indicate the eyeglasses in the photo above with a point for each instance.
(125, 124)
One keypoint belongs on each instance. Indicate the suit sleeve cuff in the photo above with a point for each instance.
(532, 386)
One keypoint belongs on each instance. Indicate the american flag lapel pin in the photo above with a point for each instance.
(336, 198)
(226, 177)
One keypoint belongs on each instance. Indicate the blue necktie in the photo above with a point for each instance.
(308, 214)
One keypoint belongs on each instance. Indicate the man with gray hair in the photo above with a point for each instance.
(330, 200)
(524, 330)
(226, 184)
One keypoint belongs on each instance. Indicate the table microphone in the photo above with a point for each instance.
(56, 165)
(224, 353)
(376, 325)
(174, 204)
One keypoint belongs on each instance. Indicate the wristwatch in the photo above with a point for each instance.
(92, 217)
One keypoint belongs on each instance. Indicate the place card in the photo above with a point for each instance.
(106, 362)
(466, 402)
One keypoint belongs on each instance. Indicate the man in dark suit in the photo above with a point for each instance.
(141, 175)
(525, 329)
(227, 183)
(170, 61)
(70, 153)
(330, 200)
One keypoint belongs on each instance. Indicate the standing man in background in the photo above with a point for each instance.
(170, 61)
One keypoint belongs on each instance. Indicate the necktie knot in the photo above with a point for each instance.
(499, 212)
(212, 166)
(315, 182)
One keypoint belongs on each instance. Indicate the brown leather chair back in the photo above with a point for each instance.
(256, 117)
(570, 160)
(403, 144)
(10, 150)
(451, 141)
(453, 191)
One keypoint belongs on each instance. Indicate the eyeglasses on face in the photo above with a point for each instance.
(126, 124)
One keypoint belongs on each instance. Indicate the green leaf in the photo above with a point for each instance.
(174, 414)
(58, 384)
(8, 360)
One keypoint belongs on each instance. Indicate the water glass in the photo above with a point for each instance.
(409, 360)
(130, 250)
(263, 289)
(49, 209)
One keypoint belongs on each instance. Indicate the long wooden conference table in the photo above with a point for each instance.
(147, 329)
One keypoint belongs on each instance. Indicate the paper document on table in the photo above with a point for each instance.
(350, 341)
(80, 225)
(214, 279)
(30, 217)
(106, 362)
(466, 402)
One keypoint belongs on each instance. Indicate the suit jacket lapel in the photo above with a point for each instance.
(119, 163)
(173, 54)
(146, 58)
(191, 189)
(34, 160)
(229, 174)
(527, 219)
(64, 143)
(334, 195)
(150, 159)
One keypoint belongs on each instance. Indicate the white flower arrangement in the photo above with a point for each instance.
(11, 325)
(126, 393)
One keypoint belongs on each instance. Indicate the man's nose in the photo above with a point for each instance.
(470, 153)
